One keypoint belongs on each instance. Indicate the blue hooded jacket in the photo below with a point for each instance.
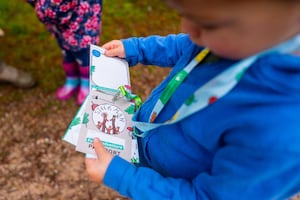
(244, 146)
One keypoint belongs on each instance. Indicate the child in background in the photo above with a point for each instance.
(227, 128)
(75, 24)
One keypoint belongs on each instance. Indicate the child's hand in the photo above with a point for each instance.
(114, 48)
(96, 168)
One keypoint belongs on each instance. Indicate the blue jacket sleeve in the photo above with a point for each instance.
(156, 50)
(227, 180)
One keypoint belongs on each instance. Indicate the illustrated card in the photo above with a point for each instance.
(105, 113)
(109, 119)
(106, 72)
(72, 133)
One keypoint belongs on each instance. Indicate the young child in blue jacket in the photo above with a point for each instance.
(227, 126)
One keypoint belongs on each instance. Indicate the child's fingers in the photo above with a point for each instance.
(103, 155)
(99, 148)
(89, 163)
(114, 52)
(93, 170)
(107, 46)
(111, 45)
(114, 48)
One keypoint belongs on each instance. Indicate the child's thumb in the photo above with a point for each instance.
(98, 146)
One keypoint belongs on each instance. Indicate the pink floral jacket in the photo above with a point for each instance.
(74, 23)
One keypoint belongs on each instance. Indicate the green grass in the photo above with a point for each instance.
(27, 45)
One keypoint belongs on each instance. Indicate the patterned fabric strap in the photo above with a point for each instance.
(175, 82)
(216, 87)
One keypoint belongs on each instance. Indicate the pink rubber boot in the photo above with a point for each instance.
(84, 84)
(71, 85)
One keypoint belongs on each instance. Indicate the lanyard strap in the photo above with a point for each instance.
(216, 87)
(175, 82)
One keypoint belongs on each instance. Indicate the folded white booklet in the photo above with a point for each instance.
(106, 113)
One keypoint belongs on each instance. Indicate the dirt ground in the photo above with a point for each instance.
(34, 162)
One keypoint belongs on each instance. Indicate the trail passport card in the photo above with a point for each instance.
(105, 114)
